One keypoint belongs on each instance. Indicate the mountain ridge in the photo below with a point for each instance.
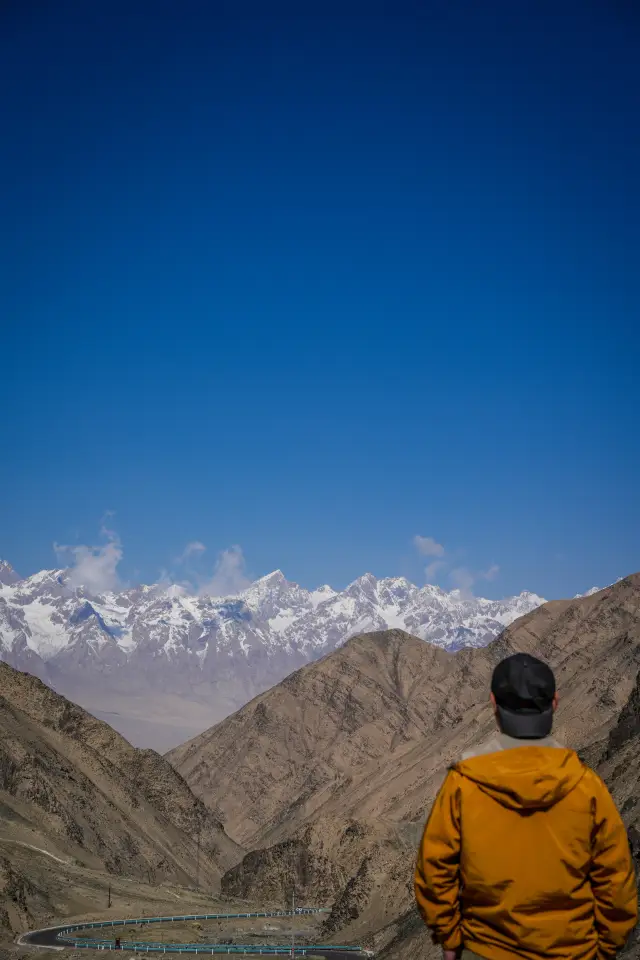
(210, 655)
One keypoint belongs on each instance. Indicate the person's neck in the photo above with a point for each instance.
(527, 741)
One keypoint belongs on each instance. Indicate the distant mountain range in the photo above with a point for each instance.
(218, 652)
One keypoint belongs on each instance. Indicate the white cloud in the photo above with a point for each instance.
(229, 576)
(463, 580)
(94, 568)
(432, 568)
(193, 549)
(491, 573)
(428, 547)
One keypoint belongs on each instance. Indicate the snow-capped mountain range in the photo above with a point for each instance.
(160, 638)
(45, 617)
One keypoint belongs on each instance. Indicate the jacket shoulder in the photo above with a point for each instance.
(592, 784)
(453, 780)
(592, 779)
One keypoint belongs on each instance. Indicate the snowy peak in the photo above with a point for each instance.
(589, 593)
(271, 579)
(319, 596)
(162, 637)
(273, 597)
(8, 575)
(364, 586)
(272, 627)
(44, 583)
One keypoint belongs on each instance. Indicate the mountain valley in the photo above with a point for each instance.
(161, 664)
(322, 782)
(76, 798)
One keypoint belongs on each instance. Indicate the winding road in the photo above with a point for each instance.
(61, 937)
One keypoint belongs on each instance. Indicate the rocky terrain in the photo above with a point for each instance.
(617, 760)
(74, 793)
(320, 740)
(326, 778)
(160, 664)
(337, 765)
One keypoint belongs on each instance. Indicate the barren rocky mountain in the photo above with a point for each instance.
(160, 663)
(316, 741)
(330, 774)
(327, 777)
(74, 791)
(618, 762)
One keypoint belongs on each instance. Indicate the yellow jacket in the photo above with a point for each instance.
(524, 853)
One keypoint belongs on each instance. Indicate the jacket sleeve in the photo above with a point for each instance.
(437, 883)
(611, 876)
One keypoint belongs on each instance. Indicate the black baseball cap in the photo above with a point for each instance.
(524, 688)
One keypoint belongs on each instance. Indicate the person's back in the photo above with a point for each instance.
(524, 853)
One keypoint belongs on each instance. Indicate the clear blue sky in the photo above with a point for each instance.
(315, 278)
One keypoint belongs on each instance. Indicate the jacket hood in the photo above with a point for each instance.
(528, 778)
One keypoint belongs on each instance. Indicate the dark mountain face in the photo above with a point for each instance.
(618, 762)
(72, 786)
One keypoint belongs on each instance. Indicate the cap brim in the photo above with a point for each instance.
(525, 726)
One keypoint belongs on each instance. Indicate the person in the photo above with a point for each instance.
(524, 854)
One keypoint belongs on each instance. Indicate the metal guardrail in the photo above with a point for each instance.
(95, 924)
(240, 946)
(144, 946)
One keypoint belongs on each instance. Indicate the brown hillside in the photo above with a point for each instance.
(73, 787)
(343, 757)
(371, 722)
